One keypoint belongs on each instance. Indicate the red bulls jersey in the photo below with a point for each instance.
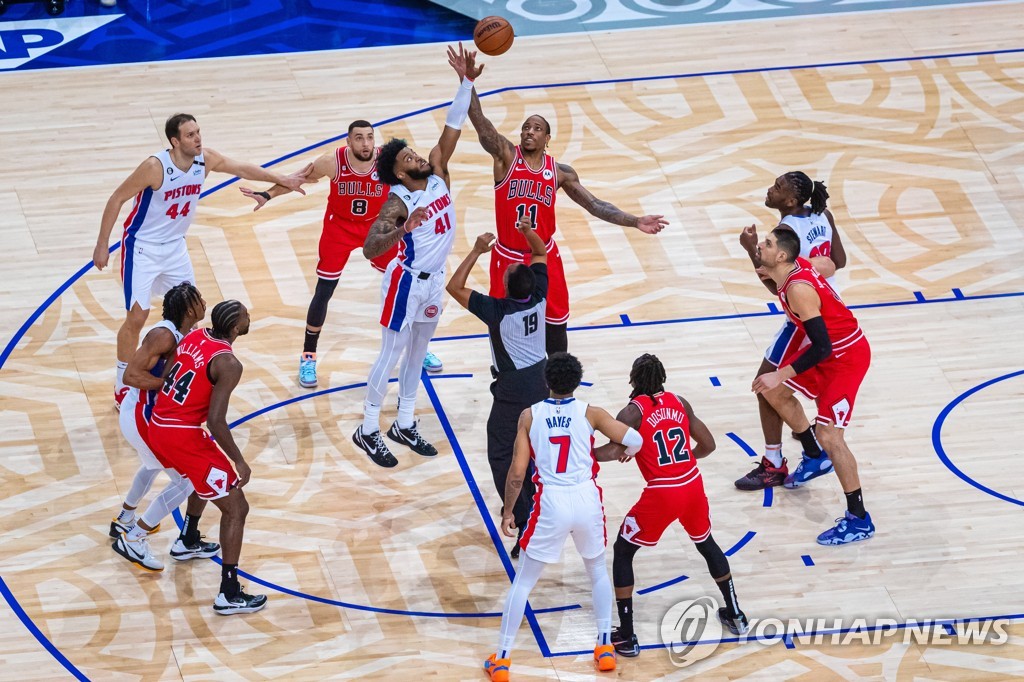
(185, 398)
(355, 197)
(526, 191)
(843, 328)
(665, 459)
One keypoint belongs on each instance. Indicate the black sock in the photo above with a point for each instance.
(810, 443)
(625, 616)
(732, 604)
(309, 345)
(855, 503)
(190, 531)
(229, 580)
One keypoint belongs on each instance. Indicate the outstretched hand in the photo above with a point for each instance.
(415, 219)
(651, 224)
(484, 242)
(464, 63)
(255, 196)
(295, 181)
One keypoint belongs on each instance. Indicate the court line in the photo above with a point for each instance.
(37, 633)
(937, 437)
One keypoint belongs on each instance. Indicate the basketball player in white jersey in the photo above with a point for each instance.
(154, 256)
(558, 435)
(183, 308)
(821, 245)
(419, 216)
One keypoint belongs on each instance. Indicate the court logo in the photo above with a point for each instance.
(431, 311)
(690, 631)
(23, 41)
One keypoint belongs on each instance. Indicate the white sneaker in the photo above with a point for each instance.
(137, 552)
(240, 603)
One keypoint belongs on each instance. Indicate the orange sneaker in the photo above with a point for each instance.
(604, 656)
(497, 668)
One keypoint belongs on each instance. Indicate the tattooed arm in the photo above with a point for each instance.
(392, 222)
(493, 142)
(570, 182)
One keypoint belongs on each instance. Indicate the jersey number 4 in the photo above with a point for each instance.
(178, 387)
(173, 212)
(671, 446)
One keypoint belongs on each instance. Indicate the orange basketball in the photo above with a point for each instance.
(493, 35)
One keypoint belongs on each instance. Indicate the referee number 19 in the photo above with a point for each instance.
(530, 323)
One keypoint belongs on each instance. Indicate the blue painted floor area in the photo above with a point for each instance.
(156, 30)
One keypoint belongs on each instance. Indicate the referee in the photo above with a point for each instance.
(516, 328)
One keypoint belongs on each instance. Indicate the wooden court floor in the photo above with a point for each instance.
(390, 574)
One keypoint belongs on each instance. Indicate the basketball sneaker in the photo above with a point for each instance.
(307, 370)
(604, 656)
(374, 447)
(411, 438)
(764, 475)
(807, 469)
(432, 363)
(119, 394)
(625, 646)
(240, 603)
(497, 668)
(116, 528)
(137, 552)
(848, 529)
(201, 550)
(737, 626)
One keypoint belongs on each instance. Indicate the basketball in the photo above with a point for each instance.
(493, 35)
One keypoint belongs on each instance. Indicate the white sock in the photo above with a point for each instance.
(371, 418)
(121, 367)
(126, 517)
(406, 413)
(135, 532)
(604, 596)
(773, 453)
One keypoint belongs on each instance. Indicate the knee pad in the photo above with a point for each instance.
(622, 562)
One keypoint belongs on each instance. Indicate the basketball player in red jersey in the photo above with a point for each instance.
(674, 439)
(196, 390)
(829, 370)
(354, 202)
(526, 180)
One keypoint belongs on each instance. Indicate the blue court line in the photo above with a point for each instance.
(788, 641)
(667, 583)
(741, 543)
(808, 561)
(715, 381)
(919, 296)
(769, 639)
(625, 319)
(937, 437)
(774, 309)
(37, 633)
(499, 546)
(742, 443)
(769, 497)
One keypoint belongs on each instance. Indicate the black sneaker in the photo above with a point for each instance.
(374, 447)
(411, 438)
(240, 603)
(738, 625)
(764, 476)
(628, 647)
(514, 554)
(200, 550)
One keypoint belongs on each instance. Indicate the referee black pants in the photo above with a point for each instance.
(502, 426)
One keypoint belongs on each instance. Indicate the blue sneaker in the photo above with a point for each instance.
(807, 469)
(432, 363)
(307, 370)
(848, 529)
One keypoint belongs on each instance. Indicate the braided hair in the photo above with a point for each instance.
(224, 317)
(177, 302)
(647, 377)
(809, 190)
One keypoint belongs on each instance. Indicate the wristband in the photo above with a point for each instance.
(265, 195)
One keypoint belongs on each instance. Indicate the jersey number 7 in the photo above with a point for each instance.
(563, 443)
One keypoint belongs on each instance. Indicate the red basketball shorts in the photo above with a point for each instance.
(558, 294)
(337, 242)
(833, 383)
(191, 452)
(660, 506)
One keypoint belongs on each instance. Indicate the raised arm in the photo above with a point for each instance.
(457, 284)
(630, 416)
(517, 472)
(538, 249)
(464, 64)
(392, 222)
(494, 143)
(570, 182)
(218, 163)
(148, 174)
(699, 433)
(225, 373)
(156, 343)
(748, 240)
(326, 165)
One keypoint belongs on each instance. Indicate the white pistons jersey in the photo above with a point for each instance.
(158, 371)
(164, 215)
(427, 247)
(562, 443)
(815, 233)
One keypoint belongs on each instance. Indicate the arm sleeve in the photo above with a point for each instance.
(484, 307)
(633, 441)
(820, 348)
(540, 274)
(459, 108)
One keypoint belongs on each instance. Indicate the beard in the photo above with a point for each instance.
(360, 156)
(420, 173)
